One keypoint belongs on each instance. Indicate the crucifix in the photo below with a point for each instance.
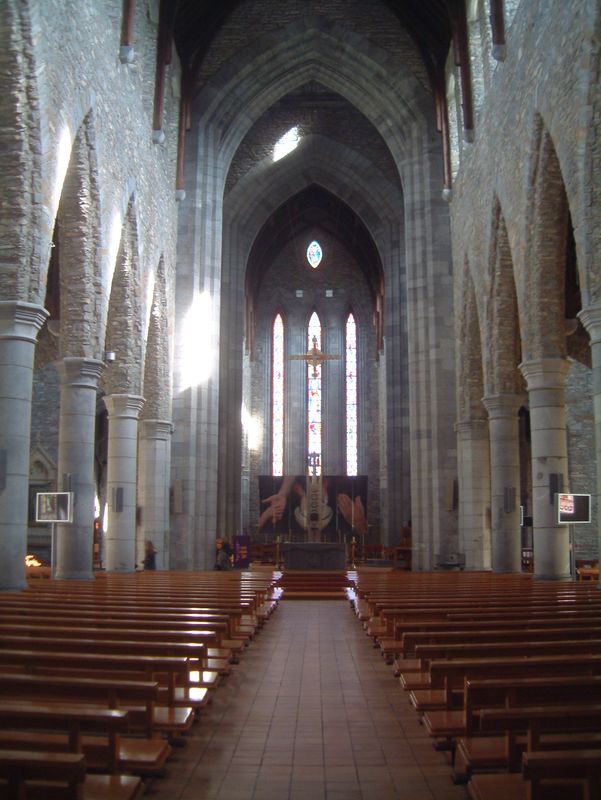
(316, 511)
(314, 357)
(314, 506)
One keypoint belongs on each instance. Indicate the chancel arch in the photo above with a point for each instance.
(409, 143)
(287, 284)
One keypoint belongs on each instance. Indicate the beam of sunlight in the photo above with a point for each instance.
(149, 297)
(114, 240)
(286, 144)
(63, 155)
(198, 345)
(252, 428)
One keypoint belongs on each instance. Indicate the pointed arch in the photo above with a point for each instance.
(470, 384)
(503, 345)
(124, 323)
(76, 241)
(277, 394)
(350, 381)
(314, 393)
(543, 299)
(156, 361)
(337, 57)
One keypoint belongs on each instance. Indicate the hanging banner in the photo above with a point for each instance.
(293, 505)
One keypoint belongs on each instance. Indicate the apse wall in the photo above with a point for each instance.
(340, 275)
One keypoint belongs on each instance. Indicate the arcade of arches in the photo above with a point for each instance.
(164, 167)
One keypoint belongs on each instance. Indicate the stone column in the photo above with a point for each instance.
(546, 388)
(473, 455)
(503, 426)
(121, 479)
(77, 424)
(591, 319)
(153, 488)
(19, 327)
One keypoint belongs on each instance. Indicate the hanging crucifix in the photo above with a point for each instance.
(313, 510)
(315, 357)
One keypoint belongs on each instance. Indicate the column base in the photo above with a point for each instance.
(13, 587)
(74, 576)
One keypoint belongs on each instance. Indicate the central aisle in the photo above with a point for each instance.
(312, 712)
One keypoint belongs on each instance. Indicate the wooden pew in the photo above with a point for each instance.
(409, 634)
(449, 676)
(450, 724)
(388, 617)
(563, 721)
(247, 608)
(76, 727)
(564, 767)
(159, 641)
(526, 647)
(213, 629)
(25, 773)
(171, 672)
(553, 775)
(138, 697)
(225, 625)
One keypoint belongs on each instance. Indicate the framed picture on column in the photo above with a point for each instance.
(54, 507)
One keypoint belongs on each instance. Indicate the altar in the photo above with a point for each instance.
(313, 555)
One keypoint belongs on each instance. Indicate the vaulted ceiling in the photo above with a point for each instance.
(433, 25)
(195, 23)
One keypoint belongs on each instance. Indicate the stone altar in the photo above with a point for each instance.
(313, 555)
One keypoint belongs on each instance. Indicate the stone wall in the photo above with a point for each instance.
(85, 95)
(531, 162)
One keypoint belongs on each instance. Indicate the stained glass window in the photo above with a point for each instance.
(277, 394)
(314, 254)
(314, 394)
(351, 395)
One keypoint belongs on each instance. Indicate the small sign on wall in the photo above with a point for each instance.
(54, 507)
(572, 508)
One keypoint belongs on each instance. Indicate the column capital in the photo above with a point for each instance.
(591, 319)
(472, 428)
(545, 373)
(156, 429)
(79, 372)
(503, 405)
(123, 405)
(19, 320)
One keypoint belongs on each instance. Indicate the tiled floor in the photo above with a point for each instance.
(310, 713)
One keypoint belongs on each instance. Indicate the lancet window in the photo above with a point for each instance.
(314, 398)
(277, 394)
(351, 394)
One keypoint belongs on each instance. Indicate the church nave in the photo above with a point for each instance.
(312, 711)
